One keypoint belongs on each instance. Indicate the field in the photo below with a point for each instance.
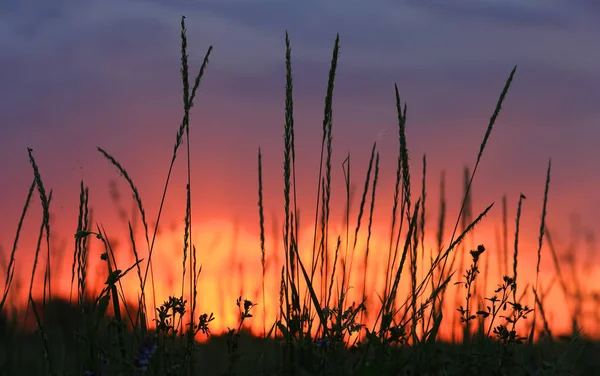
(436, 313)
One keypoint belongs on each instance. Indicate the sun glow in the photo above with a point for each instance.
(230, 259)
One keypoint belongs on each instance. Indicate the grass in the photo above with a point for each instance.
(317, 330)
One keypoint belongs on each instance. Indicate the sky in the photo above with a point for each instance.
(77, 75)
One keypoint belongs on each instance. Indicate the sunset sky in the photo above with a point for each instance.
(76, 75)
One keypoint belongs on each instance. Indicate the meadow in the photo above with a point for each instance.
(436, 313)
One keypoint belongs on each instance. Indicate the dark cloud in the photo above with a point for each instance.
(504, 13)
(270, 16)
(450, 59)
(586, 5)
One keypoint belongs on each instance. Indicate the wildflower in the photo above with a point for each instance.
(476, 253)
(145, 352)
(322, 342)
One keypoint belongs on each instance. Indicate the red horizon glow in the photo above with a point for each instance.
(230, 258)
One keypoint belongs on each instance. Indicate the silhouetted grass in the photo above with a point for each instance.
(316, 332)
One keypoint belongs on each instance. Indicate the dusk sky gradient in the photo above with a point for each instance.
(76, 75)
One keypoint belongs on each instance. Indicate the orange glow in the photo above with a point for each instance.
(230, 257)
